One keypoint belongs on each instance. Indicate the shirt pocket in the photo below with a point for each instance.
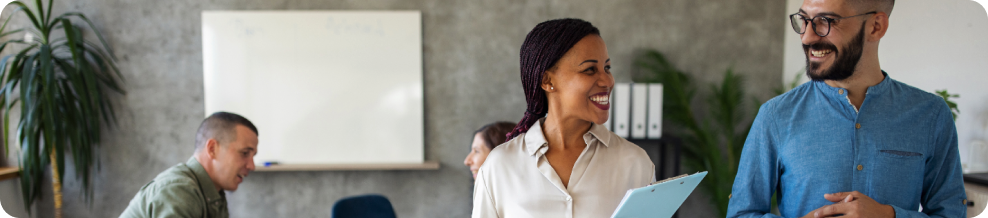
(903, 169)
(900, 154)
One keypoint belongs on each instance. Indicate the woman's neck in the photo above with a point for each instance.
(565, 133)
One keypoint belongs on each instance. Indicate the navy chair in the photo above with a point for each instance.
(364, 206)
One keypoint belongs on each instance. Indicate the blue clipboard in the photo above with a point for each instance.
(660, 199)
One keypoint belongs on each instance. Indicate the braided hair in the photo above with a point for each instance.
(543, 47)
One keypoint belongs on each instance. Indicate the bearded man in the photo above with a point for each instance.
(853, 142)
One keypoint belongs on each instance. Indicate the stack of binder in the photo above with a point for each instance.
(636, 110)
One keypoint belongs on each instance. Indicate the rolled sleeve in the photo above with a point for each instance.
(943, 185)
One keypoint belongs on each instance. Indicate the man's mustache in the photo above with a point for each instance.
(820, 46)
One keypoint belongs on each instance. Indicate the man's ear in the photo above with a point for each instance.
(212, 148)
(547, 81)
(879, 26)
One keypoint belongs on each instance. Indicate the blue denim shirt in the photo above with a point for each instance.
(900, 149)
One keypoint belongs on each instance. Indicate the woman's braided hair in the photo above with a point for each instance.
(543, 47)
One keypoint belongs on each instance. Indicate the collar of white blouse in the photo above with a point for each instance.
(535, 140)
(536, 145)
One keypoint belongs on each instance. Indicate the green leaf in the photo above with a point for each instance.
(90, 23)
(11, 32)
(41, 15)
(48, 15)
(30, 15)
(106, 65)
(950, 104)
(8, 18)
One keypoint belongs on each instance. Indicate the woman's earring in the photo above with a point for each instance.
(550, 87)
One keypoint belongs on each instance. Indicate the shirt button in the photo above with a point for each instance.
(857, 125)
(860, 167)
(569, 199)
(840, 91)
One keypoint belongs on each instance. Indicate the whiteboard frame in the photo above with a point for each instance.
(401, 102)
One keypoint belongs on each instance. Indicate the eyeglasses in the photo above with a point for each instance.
(821, 24)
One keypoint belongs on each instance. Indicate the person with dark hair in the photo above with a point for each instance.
(853, 142)
(484, 140)
(224, 154)
(559, 161)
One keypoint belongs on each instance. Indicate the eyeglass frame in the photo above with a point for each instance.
(830, 22)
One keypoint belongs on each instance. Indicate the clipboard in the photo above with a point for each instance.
(660, 199)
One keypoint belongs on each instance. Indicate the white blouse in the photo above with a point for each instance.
(516, 180)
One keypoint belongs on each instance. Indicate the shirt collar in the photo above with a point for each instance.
(205, 183)
(841, 93)
(601, 133)
(535, 140)
(881, 87)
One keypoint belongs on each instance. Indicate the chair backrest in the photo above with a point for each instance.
(364, 206)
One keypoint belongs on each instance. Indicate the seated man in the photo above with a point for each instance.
(853, 142)
(225, 147)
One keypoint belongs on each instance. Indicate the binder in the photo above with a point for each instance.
(654, 111)
(639, 103)
(660, 199)
(622, 109)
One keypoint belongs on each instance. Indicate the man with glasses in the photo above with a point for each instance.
(853, 142)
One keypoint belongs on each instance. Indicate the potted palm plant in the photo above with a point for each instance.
(61, 83)
(712, 141)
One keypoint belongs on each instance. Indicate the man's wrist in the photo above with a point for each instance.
(890, 210)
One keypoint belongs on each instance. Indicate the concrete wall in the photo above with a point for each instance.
(471, 78)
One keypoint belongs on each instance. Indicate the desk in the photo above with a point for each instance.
(976, 188)
(9, 172)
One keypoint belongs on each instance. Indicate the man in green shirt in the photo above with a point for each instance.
(225, 147)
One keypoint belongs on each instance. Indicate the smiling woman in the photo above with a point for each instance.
(559, 161)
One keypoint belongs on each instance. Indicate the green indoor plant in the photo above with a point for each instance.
(950, 104)
(61, 83)
(712, 142)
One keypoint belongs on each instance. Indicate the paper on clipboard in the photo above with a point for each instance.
(660, 199)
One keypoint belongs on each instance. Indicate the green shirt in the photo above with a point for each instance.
(184, 190)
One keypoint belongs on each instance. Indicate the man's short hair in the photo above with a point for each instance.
(873, 5)
(221, 126)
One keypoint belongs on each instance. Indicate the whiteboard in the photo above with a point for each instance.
(322, 87)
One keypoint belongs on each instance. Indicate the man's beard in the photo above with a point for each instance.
(843, 66)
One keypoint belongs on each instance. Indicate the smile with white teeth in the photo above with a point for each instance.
(820, 53)
(600, 99)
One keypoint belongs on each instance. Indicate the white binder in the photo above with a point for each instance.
(639, 104)
(654, 111)
(622, 109)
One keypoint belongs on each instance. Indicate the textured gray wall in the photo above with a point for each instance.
(471, 78)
